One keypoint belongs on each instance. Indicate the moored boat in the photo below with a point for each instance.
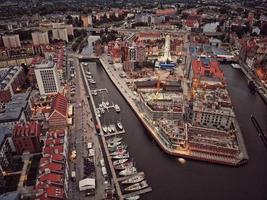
(113, 144)
(105, 129)
(134, 179)
(122, 156)
(119, 152)
(117, 162)
(137, 186)
(133, 197)
(119, 125)
(109, 129)
(119, 147)
(113, 127)
(117, 108)
(128, 171)
(123, 166)
(114, 139)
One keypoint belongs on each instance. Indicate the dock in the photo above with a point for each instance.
(110, 164)
(116, 179)
(100, 90)
(115, 133)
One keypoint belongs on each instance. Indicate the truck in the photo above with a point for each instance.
(87, 184)
(73, 176)
(104, 171)
(89, 145)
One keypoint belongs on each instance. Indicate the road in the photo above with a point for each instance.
(82, 132)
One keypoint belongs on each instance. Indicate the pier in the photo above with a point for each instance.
(113, 172)
(100, 90)
(115, 133)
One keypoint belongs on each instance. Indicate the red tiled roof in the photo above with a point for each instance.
(60, 104)
(47, 191)
(213, 69)
(53, 177)
(145, 34)
(55, 192)
(55, 149)
(56, 134)
(52, 166)
(57, 157)
(56, 141)
(27, 129)
(190, 22)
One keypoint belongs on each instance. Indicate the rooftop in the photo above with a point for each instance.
(6, 75)
(15, 107)
(59, 104)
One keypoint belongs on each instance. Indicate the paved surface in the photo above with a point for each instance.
(82, 132)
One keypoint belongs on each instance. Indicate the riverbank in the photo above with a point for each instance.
(164, 145)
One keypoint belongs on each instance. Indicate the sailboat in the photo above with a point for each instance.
(137, 186)
(119, 125)
(134, 179)
(128, 171)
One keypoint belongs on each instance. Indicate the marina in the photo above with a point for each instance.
(108, 134)
(137, 134)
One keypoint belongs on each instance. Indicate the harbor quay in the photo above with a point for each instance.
(185, 149)
(116, 185)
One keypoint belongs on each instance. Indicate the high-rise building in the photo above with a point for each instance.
(87, 20)
(69, 27)
(11, 41)
(132, 54)
(60, 34)
(47, 78)
(40, 38)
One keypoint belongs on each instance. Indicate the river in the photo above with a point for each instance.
(171, 180)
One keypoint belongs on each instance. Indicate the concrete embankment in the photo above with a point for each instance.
(128, 96)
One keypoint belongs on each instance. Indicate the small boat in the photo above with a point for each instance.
(105, 129)
(123, 156)
(88, 73)
(98, 113)
(137, 186)
(94, 92)
(113, 127)
(182, 160)
(115, 139)
(92, 81)
(128, 171)
(112, 145)
(117, 108)
(119, 147)
(118, 152)
(235, 66)
(109, 129)
(118, 162)
(134, 179)
(107, 103)
(123, 166)
(133, 197)
(102, 110)
(119, 125)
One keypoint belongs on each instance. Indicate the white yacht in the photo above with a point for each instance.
(117, 108)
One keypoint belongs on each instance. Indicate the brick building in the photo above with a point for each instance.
(59, 111)
(11, 79)
(52, 181)
(26, 137)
